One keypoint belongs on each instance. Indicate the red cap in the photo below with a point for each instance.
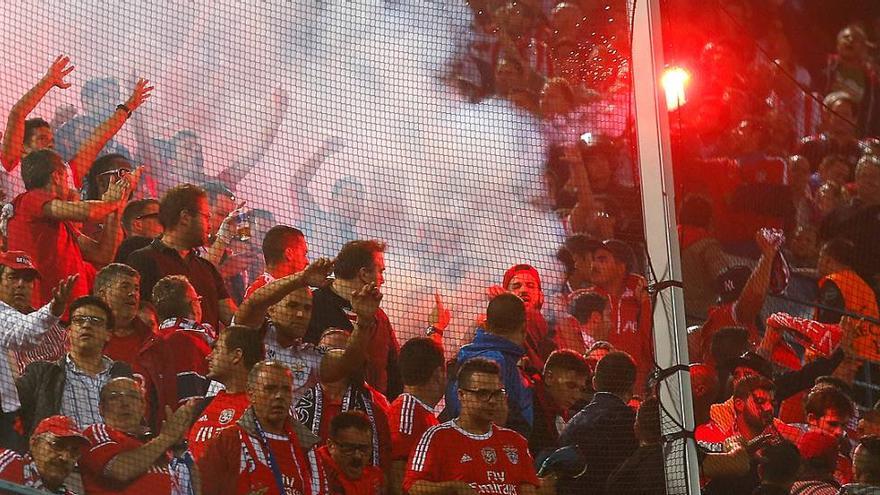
(816, 444)
(517, 269)
(60, 426)
(18, 260)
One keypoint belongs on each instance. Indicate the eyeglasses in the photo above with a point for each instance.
(351, 448)
(147, 215)
(83, 319)
(118, 173)
(485, 395)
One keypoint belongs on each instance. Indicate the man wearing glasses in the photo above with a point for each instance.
(346, 457)
(470, 454)
(54, 449)
(71, 386)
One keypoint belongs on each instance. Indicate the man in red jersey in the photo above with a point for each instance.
(285, 253)
(235, 353)
(119, 285)
(42, 223)
(346, 457)
(54, 449)
(424, 380)
(267, 451)
(470, 454)
(119, 460)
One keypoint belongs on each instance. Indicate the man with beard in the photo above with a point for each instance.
(288, 304)
(524, 282)
(346, 457)
(55, 447)
(753, 405)
(267, 451)
(185, 215)
(118, 285)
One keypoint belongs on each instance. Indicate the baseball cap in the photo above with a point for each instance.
(18, 260)
(755, 362)
(619, 249)
(731, 282)
(517, 269)
(817, 444)
(60, 426)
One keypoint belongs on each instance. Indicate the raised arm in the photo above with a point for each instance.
(364, 303)
(132, 464)
(13, 139)
(90, 211)
(88, 151)
(751, 300)
(300, 180)
(236, 172)
(253, 309)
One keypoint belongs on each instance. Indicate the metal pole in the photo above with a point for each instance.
(658, 205)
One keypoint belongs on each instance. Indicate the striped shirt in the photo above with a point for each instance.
(80, 398)
(408, 418)
(19, 331)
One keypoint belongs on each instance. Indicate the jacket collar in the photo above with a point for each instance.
(307, 439)
(486, 340)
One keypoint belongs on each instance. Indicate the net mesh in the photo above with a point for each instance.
(468, 137)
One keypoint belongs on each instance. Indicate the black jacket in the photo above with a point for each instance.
(603, 432)
(41, 386)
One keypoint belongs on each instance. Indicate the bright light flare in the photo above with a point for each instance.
(674, 82)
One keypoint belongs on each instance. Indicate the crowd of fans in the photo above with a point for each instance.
(146, 355)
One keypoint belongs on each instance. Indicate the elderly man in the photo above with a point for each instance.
(22, 329)
(120, 459)
(54, 449)
(266, 451)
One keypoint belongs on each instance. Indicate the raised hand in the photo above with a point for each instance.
(317, 274)
(61, 295)
(769, 240)
(365, 301)
(58, 71)
(494, 291)
(117, 191)
(440, 315)
(141, 92)
(177, 423)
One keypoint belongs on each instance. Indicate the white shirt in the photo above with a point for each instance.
(303, 359)
(18, 332)
(82, 391)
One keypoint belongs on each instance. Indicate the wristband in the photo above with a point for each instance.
(124, 108)
(431, 330)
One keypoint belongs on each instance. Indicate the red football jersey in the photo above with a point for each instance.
(105, 443)
(262, 280)
(222, 412)
(497, 462)
(23, 471)
(408, 418)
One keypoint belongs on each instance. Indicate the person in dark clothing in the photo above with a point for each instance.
(778, 467)
(603, 430)
(359, 263)
(564, 384)
(502, 342)
(643, 472)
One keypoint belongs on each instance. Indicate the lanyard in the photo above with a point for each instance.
(270, 457)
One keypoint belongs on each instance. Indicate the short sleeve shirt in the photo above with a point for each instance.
(51, 243)
(105, 443)
(496, 462)
(158, 260)
(408, 419)
(223, 411)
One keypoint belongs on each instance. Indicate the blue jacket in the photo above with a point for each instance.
(519, 391)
